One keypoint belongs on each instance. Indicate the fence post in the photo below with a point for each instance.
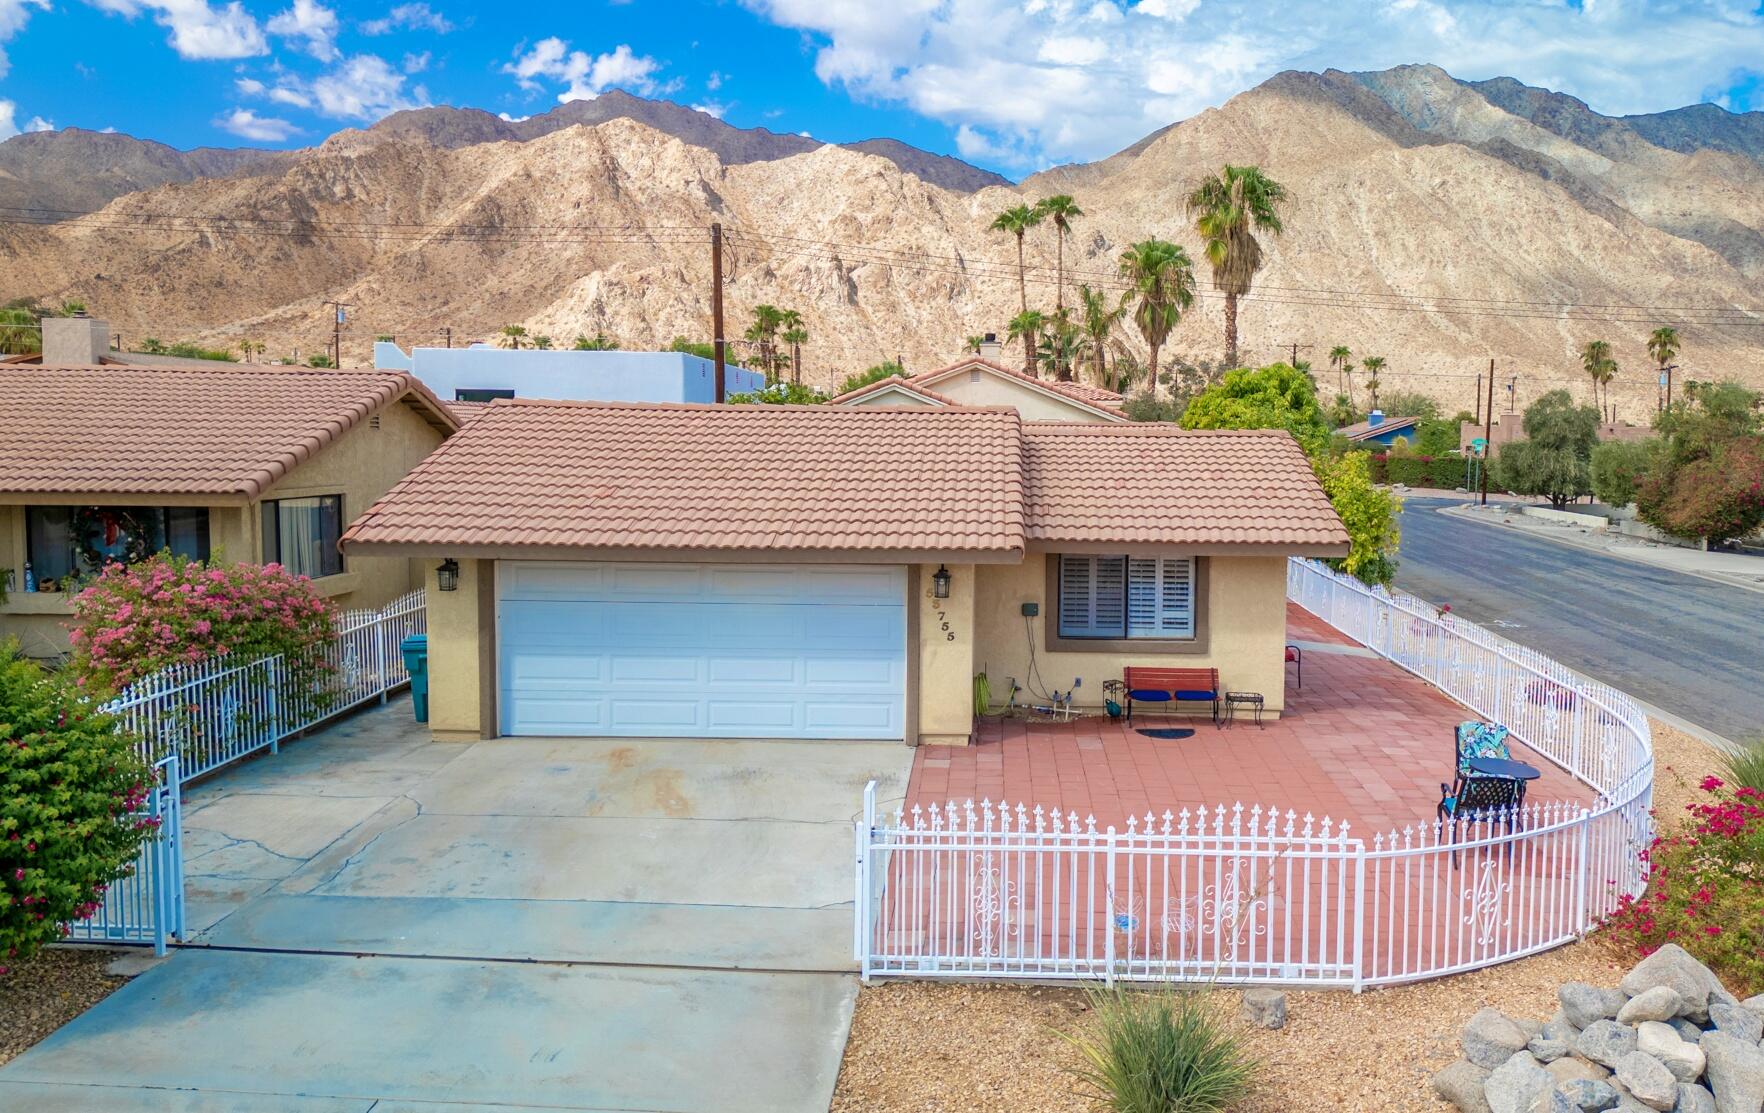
(865, 826)
(1109, 913)
(1582, 873)
(1359, 915)
(382, 628)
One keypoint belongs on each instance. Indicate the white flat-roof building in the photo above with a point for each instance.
(481, 373)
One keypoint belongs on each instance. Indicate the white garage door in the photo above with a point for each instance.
(701, 650)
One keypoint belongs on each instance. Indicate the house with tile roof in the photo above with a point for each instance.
(828, 572)
(249, 462)
(978, 381)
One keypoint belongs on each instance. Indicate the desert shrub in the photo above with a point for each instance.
(1369, 514)
(1424, 471)
(1162, 1051)
(887, 369)
(196, 351)
(136, 619)
(70, 784)
(1711, 497)
(1745, 769)
(1706, 888)
(780, 394)
(1618, 467)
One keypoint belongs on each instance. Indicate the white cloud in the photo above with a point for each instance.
(408, 17)
(711, 108)
(247, 124)
(310, 24)
(584, 77)
(248, 86)
(14, 14)
(199, 31)
(713, 82)
(366, 87)
(290, 95)
(513, 119)
(9, 125)
(1079, 79)
(37, 123)
(416, 63)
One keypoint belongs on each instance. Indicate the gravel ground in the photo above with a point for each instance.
(48, 991)
(920, 1047)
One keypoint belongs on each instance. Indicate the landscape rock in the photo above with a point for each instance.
(1662, 1002)
(1605, 1042)
(1684, 1059)
(1517, 1084)
(1587, 1096)
(1582, 1004)
(1648, 1081)
(1264, 1008)
(1673, 966)
(1573, 1067)
(1559, 1028)
(1756, 1004)
(1461, 1084)
(1736, 1073)
(1491, 1038)
(1546, 1050)
(1687, 1031)
(1741, 1023)
(1694, 1099)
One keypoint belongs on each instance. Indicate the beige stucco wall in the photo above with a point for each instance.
(462, 653)
(361, 466)
(945, 629)
(996, 390)
(1245, 638)
(889, 399)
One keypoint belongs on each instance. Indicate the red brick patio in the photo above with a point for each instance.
(1362, 741)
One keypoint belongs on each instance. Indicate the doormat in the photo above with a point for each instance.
(1168, 732)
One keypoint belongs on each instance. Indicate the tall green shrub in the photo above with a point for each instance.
(1554, 458)
(70, 785)
(1618, 467)
(1369, 514)
(1162, 1051)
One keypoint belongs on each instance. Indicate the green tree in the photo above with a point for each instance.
(1663, 349)
(1062, 210)
(1706, 479)
(152, 346)
(1062, 342)
(763, 334)
(1596, 361)
(794, 333)
(1017, 220)
(1618, 467)
(20, 334)
(1026, 326)
(1097, 317)
(701, 349)
(512, 335)
(251, 348)
(319, 360)
(1274, 397)
(1410, 403)
(1370, 515)
(1228, 209)
(1162, 280)
(1341, 359)
(886, 369)
(1341, 412)
(1372, 365)
(70, 785)
(1554, 459)
(601, 342)
(779, 394)
(543, 343)
(971, 345)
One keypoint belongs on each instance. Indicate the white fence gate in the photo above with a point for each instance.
(1259, 893)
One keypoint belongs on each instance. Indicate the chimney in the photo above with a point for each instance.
(990, 348)
(74, 341)
(1375, 419)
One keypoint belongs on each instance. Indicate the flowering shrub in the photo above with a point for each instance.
(70, 786)
(1706, 888)
(137, 619)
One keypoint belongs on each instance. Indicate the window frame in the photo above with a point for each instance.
(265, 517)
(1055, 641)
(162, 515)
(482, 393)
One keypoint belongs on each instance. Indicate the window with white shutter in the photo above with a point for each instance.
(1126, 597)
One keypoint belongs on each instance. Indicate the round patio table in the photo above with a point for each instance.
(1506, 770)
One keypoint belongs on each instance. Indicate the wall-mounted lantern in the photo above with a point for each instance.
(447, 576)
(940, 583)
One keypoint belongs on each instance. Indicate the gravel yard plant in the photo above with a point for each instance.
(1161, 1051)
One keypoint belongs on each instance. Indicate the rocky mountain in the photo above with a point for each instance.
(76, 169)
(1436, 222)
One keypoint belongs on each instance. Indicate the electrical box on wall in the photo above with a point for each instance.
(1030, 610)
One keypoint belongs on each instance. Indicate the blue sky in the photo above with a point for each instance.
(1013, 85)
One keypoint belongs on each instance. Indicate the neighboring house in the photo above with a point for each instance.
(1509, 428)
(252, 463)
(976, 381)
(481, 373)
(1380, 430)
(773, 572)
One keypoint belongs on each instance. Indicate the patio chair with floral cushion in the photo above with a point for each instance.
(1471, 798)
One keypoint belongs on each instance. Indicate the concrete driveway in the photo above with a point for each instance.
(380, 920)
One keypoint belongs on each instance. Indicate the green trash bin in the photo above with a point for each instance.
(416, 662)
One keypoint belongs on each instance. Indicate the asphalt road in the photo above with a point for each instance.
(1688, 645)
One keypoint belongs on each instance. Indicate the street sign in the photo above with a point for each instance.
(1479, 445)
(340, 314)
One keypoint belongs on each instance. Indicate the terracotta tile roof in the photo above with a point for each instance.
(467, 411)
(1155, 484)
(229, 431)
(1093, 397)
(897, 383)
(544, 477)
(1363, 430)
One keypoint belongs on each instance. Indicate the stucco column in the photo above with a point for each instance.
(946, 657)
(462, 653)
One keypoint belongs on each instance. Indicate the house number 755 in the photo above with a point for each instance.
(943, 624)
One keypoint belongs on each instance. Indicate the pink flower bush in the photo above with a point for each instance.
(136, 619)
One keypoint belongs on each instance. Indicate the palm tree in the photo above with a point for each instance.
(1228, 208)
(1372, 366)
(1663, 346)
(19, 332)
(1162, 276)
(1595, 359)
(1096, 320)
(1026, 326)
(1062, 210)
(599, 342)
(250, 348)
(972, 344)
(767, 320)
(796, 335)
(1061, 342)
(511, 335)
(1339, 358)
(543, 343)
(153, 346)
(1017, 220)
(1347, 375)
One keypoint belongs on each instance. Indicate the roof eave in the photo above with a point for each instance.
(1212, 548)
(480, 551)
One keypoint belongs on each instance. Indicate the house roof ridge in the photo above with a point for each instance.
(1064, 390)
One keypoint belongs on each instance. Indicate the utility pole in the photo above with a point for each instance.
(717, 342)
(1488, 433)
(341, 309)
(1478, 418)
(1295, 346)
(1666, 370)
(448, 330)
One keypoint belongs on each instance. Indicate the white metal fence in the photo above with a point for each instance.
(211, 712)
(1265, 894)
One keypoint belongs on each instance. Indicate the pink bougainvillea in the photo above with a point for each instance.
(136, 619)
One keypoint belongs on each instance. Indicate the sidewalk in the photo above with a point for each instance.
(1731, 569)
